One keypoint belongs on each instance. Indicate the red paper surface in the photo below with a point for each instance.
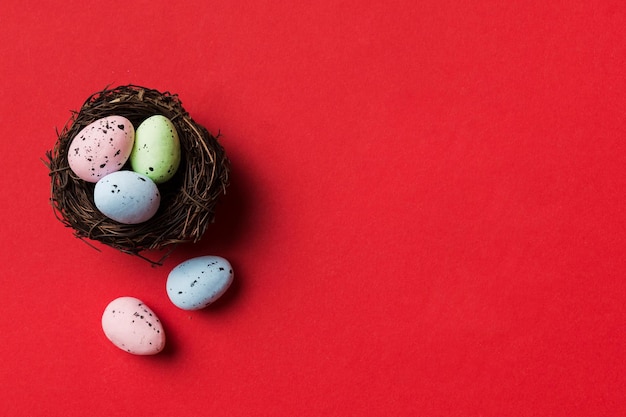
(426, 216)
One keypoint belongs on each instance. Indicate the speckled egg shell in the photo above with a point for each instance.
(127, 197)
(101, 147)
(133, 327)
(197, 282)
(156, 150)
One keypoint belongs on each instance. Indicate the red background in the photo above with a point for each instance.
(427, 212)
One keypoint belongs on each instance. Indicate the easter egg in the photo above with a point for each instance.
(156, 150)
(133, 327)
(127, 197)
(101, 147)
(197, 282)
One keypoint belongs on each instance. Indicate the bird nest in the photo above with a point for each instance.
(187, 200)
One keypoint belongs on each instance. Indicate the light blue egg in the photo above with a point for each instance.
(198, 282)
(127, 197)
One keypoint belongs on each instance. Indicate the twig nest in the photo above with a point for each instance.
(187, 199)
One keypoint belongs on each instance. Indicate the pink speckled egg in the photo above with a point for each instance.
(133, 327)
(101, 147)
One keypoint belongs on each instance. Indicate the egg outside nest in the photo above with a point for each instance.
(188, 199)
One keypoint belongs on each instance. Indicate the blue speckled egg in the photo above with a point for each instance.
(197, 282)
(127, 197)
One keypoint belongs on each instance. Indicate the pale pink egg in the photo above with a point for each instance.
(133, 327)
(101, 147)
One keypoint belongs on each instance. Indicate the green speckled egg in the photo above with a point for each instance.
(156, 151)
